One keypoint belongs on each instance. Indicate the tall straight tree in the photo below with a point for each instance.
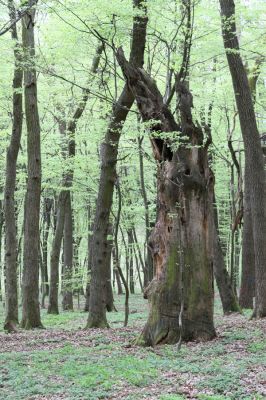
(30, 281)
(10, 184)
(109, 151)
(64, 207)
(247, 288)
(254, 166)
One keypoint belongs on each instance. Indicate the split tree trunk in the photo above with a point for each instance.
(254, 167)
(109, 151)
(30, 281)
(11, 245)
(181, 293)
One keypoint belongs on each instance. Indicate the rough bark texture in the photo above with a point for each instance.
(255, 175)
(247, 287)
(109, 151)
(30, 281)
(11, 244)
(181, 293)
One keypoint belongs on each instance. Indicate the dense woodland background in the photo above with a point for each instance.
(132, 151)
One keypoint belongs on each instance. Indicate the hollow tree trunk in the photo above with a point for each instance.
(30, 281)
(255, 175)
(181, 293)
(11, 319)
(109, 151)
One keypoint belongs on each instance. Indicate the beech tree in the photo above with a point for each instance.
(10, 184)
(254, 170)
(30, 286)
(109, 151)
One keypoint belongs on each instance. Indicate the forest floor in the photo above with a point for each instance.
(66, 362)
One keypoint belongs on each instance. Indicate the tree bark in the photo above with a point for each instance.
(47, 208)
(247, 287)
(181, 293)
(255, 175)
(109, 151)
(55, 253)
(67, 289)
(30, 281)
(11, 245)
(148, 272)
(227, 295)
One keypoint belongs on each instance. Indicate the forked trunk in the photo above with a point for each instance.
(181, 293)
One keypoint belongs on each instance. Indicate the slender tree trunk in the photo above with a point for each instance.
(30, 281)
(247, 288)
(1, 236)
(11, 244)
(130, 261)
(109, 151)
(148, 272)
(181, 293)
(47, 208)
(227, 295)
(116, 273)
(55, 253)
(67, 290)
(109, 299)
(255, 175)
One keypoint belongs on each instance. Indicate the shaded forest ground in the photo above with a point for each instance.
(66, 362)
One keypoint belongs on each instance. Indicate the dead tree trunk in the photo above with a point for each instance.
(181, 293)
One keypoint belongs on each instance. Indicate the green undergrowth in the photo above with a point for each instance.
(104, 366)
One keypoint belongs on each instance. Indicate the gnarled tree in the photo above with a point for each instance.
(181, 293)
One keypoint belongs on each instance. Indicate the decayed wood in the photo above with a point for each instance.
(184, 222)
